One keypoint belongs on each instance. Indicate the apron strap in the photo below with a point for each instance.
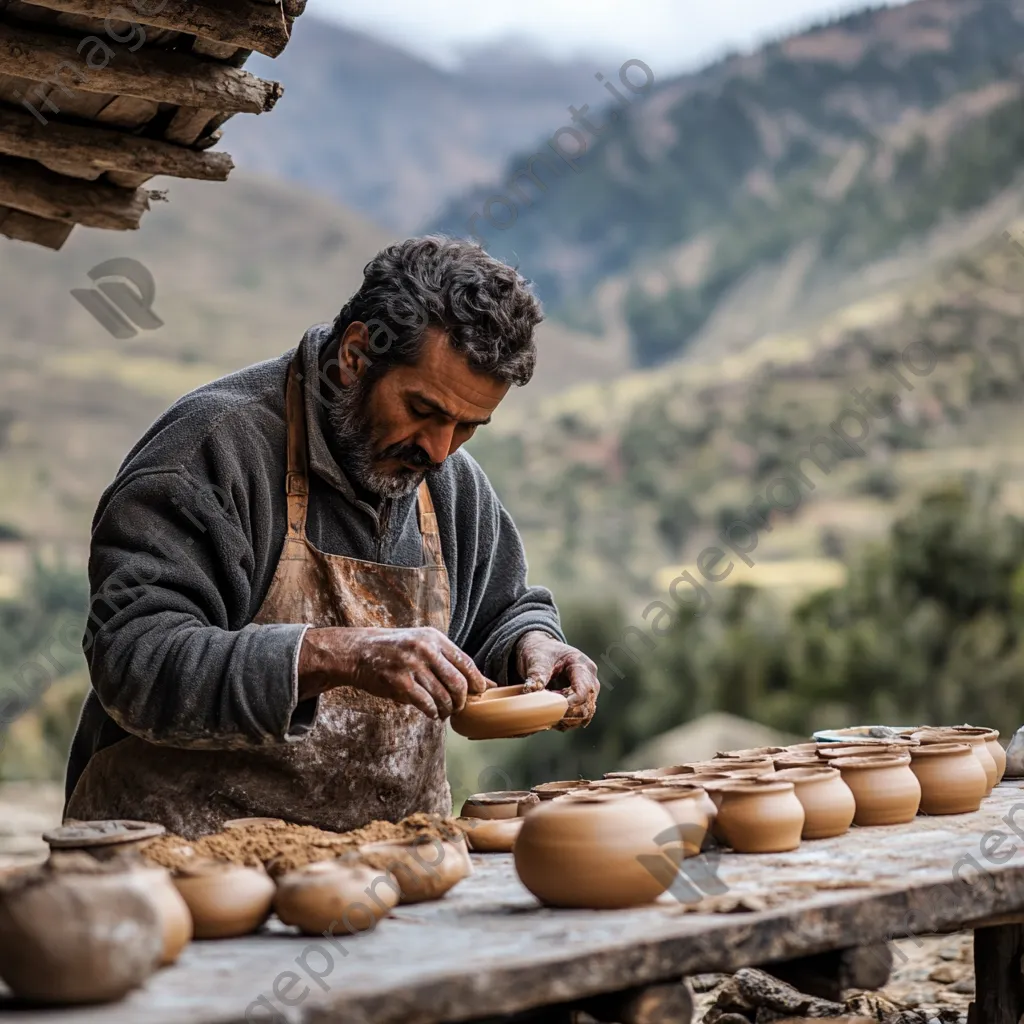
(428, 527)
(296, 481)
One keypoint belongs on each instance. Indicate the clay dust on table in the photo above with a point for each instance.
(281, 848)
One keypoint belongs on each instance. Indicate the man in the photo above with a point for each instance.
(298, 576)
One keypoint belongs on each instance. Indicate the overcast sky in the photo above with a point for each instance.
(671, 35)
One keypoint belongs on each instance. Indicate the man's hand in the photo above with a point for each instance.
(419, 666)
(546, 663)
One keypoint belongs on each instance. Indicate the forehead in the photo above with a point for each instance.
(444, 375)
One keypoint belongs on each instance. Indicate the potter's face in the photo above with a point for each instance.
(405, 424)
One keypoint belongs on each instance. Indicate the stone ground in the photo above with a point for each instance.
(931, 974)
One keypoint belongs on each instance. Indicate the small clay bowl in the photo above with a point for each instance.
(506, 712)
(225, 900)
(423, 869)
(978, 739)
(334, 896)
(549, 790)
(497, 835)
(953, 780)
(689, 807)
(886, 791)
(760, 816)
(827, 801)
(501, 804)
(250, 822)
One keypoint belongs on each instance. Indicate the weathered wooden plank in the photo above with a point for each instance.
(240, 23)
(127, 112)
(188, 124)
(36, 190)
(82, 151)
(23, 227)
(999, 974)
(149, 74)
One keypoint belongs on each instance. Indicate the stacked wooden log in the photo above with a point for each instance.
(99, 96)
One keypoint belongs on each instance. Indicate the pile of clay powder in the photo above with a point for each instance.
(284, 847)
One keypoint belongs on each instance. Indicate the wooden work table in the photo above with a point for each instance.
(489, 949)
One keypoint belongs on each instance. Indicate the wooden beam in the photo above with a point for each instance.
(243, 24)
(67, 148)
(292, 8)
(34, 189)
(162, 76)
(24, 227)
(998, 980)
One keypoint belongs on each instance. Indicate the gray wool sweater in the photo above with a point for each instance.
(185, 543)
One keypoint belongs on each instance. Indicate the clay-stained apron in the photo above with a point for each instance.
(365, 757)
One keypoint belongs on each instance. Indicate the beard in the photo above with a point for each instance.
(353, 431)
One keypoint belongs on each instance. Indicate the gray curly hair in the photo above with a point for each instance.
(484, 306)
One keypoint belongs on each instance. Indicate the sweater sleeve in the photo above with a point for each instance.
(172, 653)
(504, 606)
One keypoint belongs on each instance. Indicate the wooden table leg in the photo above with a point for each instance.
(669, 1003)
(998, 974)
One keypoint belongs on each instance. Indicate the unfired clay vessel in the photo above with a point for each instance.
(827, 801)
(830, 751)
(760, 816)
(979, 745)
(751, 753)
(952, 779)
(886, 791)
(729, 764)
(424, 870)
(496, 835)
(77, 938)
(225, 899)
(501, 804)
(175, 918)
(784, 761)
(663, 772)
(995, 748)
(506, 712)
(334, 896)
(549, 790)
(688, 806)
(596, 850)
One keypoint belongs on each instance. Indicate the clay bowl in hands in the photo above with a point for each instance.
(827, 801)
(224, 899)
(506, 712)
(595, 850)
(495, 835)
(506, 803)
(978, 739)
(692, 810)
(320, 896)
(549, 790)
(952, 779)
(425, 869)
(886, 791)
(760, 816)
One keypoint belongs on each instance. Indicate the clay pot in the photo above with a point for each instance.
(623, 784)
(320, 897)
(663, 772)
(688, 806)
(506, 712)
(995, 748)
(423, 869)
(595, 850)
(801, 748)
(497, 835)
(729, 764)
(175, 918)
(751, 753)
(247, 822)
(830, 751)
(69, 938)
(784, 761)
(549, 790)
(828, 804)
(885, 789)
(760, 817)
(501, 804)
(952, 779)
(979, 745)
(224, 899)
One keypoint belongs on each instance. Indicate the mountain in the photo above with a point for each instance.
(241, 269)
(392, 135)
(775, 185)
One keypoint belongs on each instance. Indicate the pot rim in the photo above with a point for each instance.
(750, 753)
(810, 773)
(548, 787)
(939, 749)
(663, 794)
(976, 730)
(753, 787)
(948, 734)
(206, 867)
(881, 761)
(587, 797)
(499, 796)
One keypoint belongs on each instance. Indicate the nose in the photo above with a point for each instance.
(437, 441)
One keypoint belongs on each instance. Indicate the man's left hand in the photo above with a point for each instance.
(546, 663)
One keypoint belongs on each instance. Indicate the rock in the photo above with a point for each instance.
(707, 982)
(762, 990)
(947, 973)
(965, 986)
(950, 953)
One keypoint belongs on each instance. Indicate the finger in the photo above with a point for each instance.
(419, 698)
(451, 678)
(584, 684)
(439, 695)
(476, 681)
(536, 671)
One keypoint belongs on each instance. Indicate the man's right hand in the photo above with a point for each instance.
(418, 666)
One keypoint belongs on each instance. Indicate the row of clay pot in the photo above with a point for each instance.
(118, 926)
